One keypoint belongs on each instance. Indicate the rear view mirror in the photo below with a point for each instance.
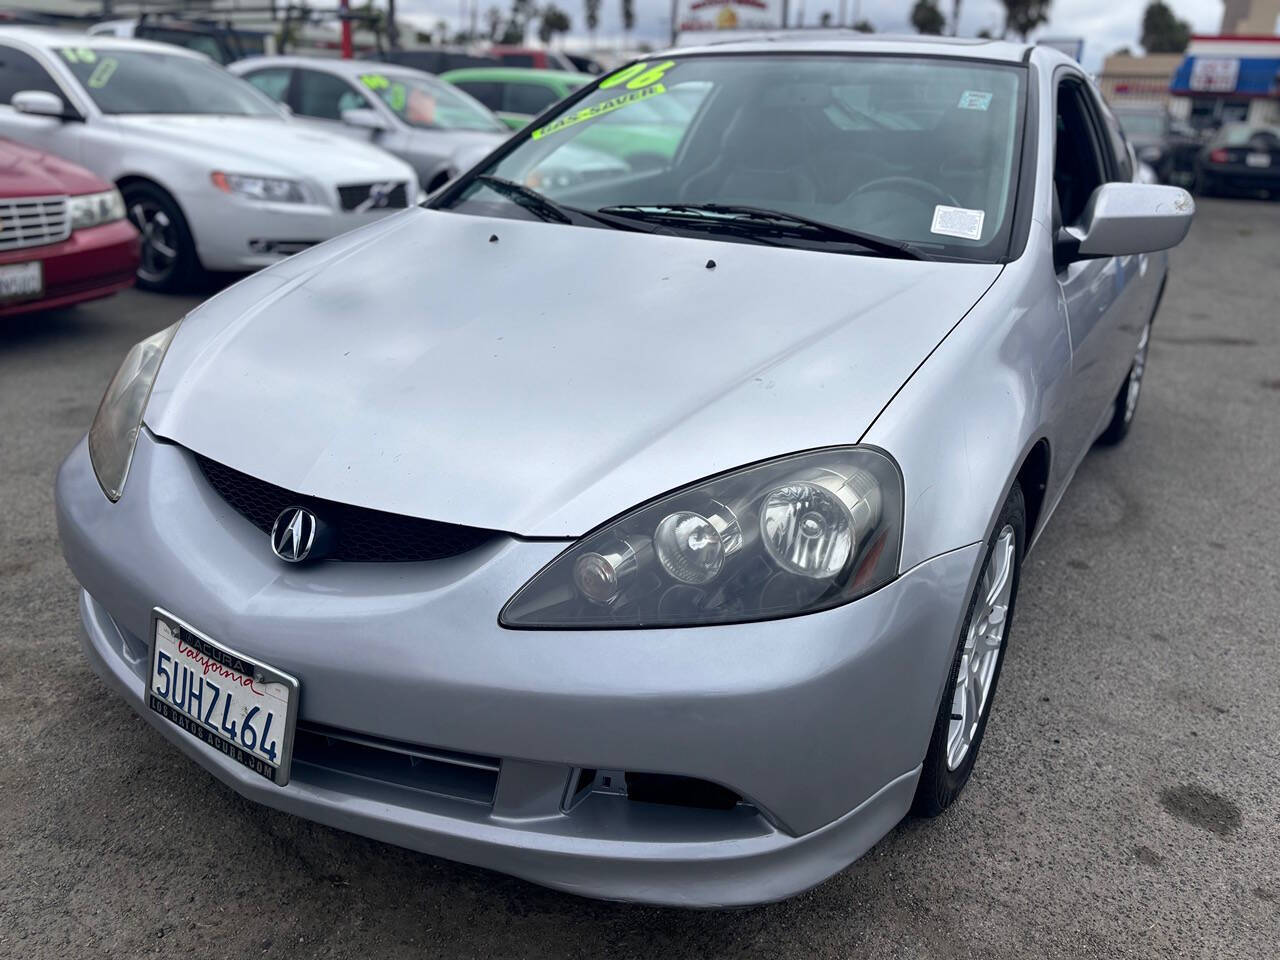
(364, 118)
(40, 103)
(1125, 218)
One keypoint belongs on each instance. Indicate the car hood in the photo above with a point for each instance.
(539, 378)
(29, 173)
(267, 146)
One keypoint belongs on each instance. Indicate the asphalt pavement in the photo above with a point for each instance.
(1126, 803)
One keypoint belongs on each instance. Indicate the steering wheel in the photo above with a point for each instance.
(924, 188)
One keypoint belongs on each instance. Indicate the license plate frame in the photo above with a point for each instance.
(28, 268)
(233, 668)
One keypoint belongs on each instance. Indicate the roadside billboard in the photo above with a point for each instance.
(700, 15)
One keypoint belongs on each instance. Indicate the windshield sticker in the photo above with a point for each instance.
(78, 55)
(102, 73)
(974, 100)
(590, 113)
(957, 222)
(396, 97)
(638, 75)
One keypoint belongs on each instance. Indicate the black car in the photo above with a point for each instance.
(1241, 158)
(1166, 145)
(435, 59)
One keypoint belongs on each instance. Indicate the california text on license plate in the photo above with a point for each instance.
(21, 281)
(235, 704)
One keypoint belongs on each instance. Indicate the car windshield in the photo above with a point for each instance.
(422, 102)
(123, 81)
(922, 152)
(1142, 124)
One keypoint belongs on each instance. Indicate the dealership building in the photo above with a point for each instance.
(1230, 79)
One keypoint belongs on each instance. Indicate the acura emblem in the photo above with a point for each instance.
(293, 534)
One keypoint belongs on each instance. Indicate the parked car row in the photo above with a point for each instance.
(1237, 158)
(209, 173)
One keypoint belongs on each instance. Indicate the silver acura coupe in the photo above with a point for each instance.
(654, 536)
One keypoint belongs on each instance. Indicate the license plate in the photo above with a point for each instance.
(1257, 159)
(235, 704)
(21, 281)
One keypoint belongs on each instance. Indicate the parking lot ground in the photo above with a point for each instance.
(1126, 804)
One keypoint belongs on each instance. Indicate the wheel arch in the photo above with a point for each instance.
(1033, 477)
(126, 180)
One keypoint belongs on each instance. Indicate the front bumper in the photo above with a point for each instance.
(236, 234)
(818, 722)
(91, 263)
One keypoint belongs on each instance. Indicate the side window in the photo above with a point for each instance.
(199, 42)
(19, 71)
(325, 96)
(490, 94)
(274, 82)
(528, 98)
(1123, 167)
(1078, 167)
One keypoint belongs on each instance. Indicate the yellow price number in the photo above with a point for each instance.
(638, 75)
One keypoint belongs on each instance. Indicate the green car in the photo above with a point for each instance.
(642, 134)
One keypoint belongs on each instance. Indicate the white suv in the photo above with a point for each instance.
(214, 174)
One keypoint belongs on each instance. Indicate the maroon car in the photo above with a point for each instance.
(63, 233)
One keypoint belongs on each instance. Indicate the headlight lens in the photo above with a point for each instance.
(790, 536)
(267, 189)
(114, 433)
(93, 209)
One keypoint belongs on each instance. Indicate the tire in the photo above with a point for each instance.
(952, 754)
(1126, 402)
(169, 262)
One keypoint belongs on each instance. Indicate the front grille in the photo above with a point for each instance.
(361, 535)
(374, 196)
(33, 222)
(445, 773)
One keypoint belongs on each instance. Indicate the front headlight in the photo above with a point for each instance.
(114, 433)
(269, 189)
(786, 537)
(94, 209)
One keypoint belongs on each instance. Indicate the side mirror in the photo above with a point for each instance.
(40, 103)
(365, 118)
(1125, 218)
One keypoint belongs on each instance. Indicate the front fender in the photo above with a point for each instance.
(962, 425)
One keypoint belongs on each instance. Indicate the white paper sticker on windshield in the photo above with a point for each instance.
(957, 222)
(974, 100)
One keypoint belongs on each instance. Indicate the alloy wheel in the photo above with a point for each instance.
(1135, 375)
(160, 243)
(982, 648)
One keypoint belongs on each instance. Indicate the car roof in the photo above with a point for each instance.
(346, 68)
(515, 74)
(851, 41)
(50, 39)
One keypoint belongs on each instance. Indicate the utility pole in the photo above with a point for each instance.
(393, 29)
(344, 11)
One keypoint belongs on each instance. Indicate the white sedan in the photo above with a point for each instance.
(214, 174)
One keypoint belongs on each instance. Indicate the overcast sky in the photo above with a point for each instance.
(1105, 24)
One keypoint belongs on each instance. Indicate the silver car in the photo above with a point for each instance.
(434, 127)
(655, 536)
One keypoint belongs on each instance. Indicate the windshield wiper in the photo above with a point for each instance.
(737, 217)
(542, 207)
